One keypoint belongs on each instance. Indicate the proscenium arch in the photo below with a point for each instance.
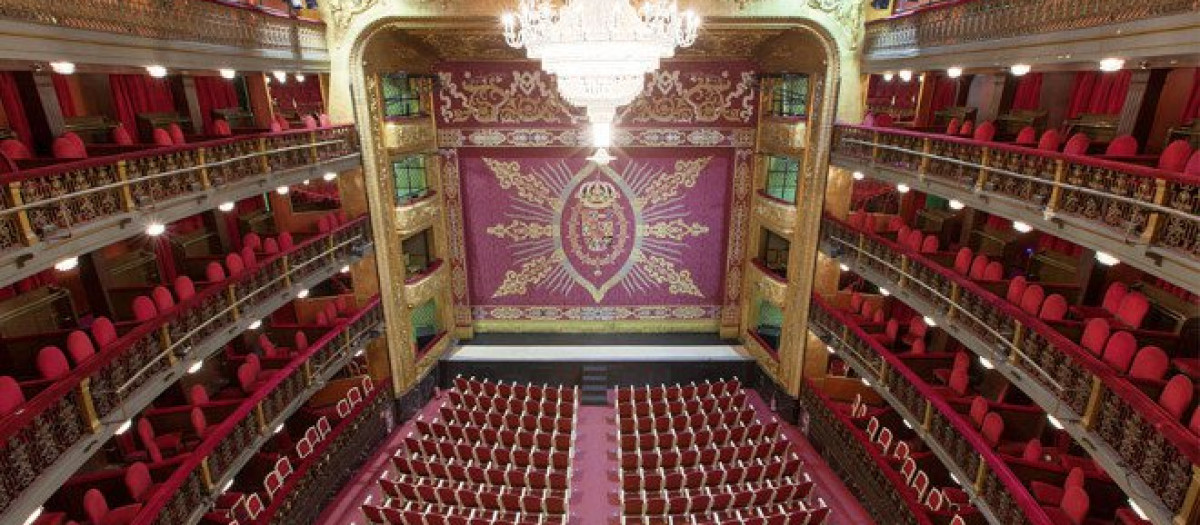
(802, 44)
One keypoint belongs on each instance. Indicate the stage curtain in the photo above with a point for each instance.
(62, 90)
(14, 109)
(943, 93)
(214, 93)
(1191, 111)
(134, 94)
(1097, 92)
(1029, 92)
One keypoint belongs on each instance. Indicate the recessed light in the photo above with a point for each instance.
(66, 265)
(196, 366)
(844, 267)
(905, 75)
(902, 188)
(255, 325)
(299, 77)
(884, 292)
(986, 363)
(956, 204)
(346, 269)
(1111, 64)
(929, 321)
(226, 207)
(280, 77)
(282, 190)
(1022, 227)
(887, 77)
(63, 68)
(124, 427)
(228, 74)
(858, 175)
(37, 513)
(302, 294)
(1020, 69)
(329, 176)
(1054, 422)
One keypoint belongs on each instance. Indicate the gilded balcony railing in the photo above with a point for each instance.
(965, 21)
(49, 202)
(1008, 500)
(845, 448)
(1155, 207)
(216, 22)
(196, 483)
(1157, 449)
(95, 393)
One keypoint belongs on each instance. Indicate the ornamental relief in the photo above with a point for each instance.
(425, 289)
(417, 216)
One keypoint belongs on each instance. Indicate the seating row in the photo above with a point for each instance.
(512, 405)
(415, 513)
(773, 468)
(469, 495)
(695, 404)
(488, 435)
(522, 392)
(698, 438)
(678, 392)
(487, 473)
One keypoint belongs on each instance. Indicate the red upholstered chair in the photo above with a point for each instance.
(890, 332)
(11, 395)
(51, 363)
(309, 122)
(143, 308)
(1027, 136)
(176, 133)
(917, 348)
(184, 288)
(920, 483)
(197, 395)
(1123, 146)
(1031, 300)
(1095, 335)
(80, 347)
(994, 271)
(249, 258)
(916, 330)
(1078, 144)
(1150, 365)
(121, 137)
(985, 132)
(929, 244)
(270, 246)
(914, 239)
(1048, 494)
(139, 482)
(221, 128)
(978, 410)
(285, 241)
(103, 332)
(163, 300)
(235, 264)
(1177, 396)
(323, 225)
(952, 126)
(1050, 141)
(276, 127)
(214, 273)
(162, 137)
(98, 512)
(967, 129)
(1016, 288)
(1054, 308)
(1119, 351)
(1133, 309)
(1113, 296)
(283, 123)
(199, 423)
(300, 341)
(978, 266)
(856, 302)
(155, 444)
(1175, 156)
(1073, 509)
(65, 148)
(961, 362)
(15, 149)
(962, 261)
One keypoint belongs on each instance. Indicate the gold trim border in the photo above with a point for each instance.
(591, 327)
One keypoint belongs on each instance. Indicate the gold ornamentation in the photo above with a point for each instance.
(776, 215)
(705, 97)
(662, 271)
(519, 230)
(529, 187)
(667, 187)
(532, 272)
(410, 136)
(676, 230)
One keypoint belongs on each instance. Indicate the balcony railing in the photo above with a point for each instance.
(1155, 208)
(1008, 501)
(966, 21)
(63, 422)
(43, 206)
(195, 485)
(775, 212)
(216, 22)
(1083, 393)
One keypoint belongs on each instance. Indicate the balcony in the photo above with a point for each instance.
(776, 214)
(1148, 218)
(192, 30)
(62, 210)
(786, 136)
(417, 214)
(1121, 427)
(47, 439)
(771, 285)
(190, 492)
(961, 27)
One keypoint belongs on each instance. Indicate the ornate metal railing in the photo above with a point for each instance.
(1154, 447)
(1151, 206)
(225, 23)
(844, 446)
(965, 21)
(50, 201)
(94, 394)
(195, 484)
(1008, 500)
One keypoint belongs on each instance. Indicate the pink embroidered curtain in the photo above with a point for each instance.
(134, 94)
(14, 109)
(1029, 92)
(1191, 111)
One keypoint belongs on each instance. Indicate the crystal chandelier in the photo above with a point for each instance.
(600, 51)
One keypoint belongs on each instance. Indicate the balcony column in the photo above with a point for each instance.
(188, 83)
(924, 111)
(51, 112)
(260, 99)
(990, 108)
(838, 192)
(1141, 102)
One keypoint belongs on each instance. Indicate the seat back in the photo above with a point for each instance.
(162, 137)
(65, 148)
(1133, 309)
(1027, 136)
(1151, 363)
(1075, 504)
(80, 347)
(1016, 288)
(1123, 146)
(1176, 397)
(985, 132)
(163, 300)
(994, 271)
(199, 421)
(967, 129)
(11, 395)
(143, 308)
(929, 244)
(1119, 351)
(51, 363)
(1113, 296)
(962, 260)
(1175, 156)
(103, 332)
(15, 149)
(176, 134)
(952, 126)
(1050, 140)
(121, 136)
(978, 267)
(1033, 450)
(138, 482)
(184, 288)
(1078, 144)
(221, 128)
(95, 505)
(979, 410)
(993, 428)
(214, 272)
(1095, 335)
(1031, 300)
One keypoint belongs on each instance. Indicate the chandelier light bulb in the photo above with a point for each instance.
(902, 188)
(1019, 70)
(1111, 64)
(228, 74)
(956, 204)
(954, 72)
(63, 68)
(156, 71)
(329, 176)
(858, 175)
(66, 265)
(905, 75)
(888, 76)
(155, 229)
(226, 207)
(1107, 259)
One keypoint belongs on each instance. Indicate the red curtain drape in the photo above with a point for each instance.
(214, 93)
(301, 96)
(1191, 111)
(62, 90)
(1096, 92)
(944, 92)
(1029, 92)
(134, 94)
(14, 109)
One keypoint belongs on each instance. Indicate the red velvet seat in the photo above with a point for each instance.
(139, 482)
(308, 122)
(929, 244)
(1132, 310)
(11, 395)
(1050, 140)
(1108, 306)
(1016, 288)
(99, 513)
(176, 134)
(953, 126)
(961, 362)
(214, 273)
(890, 332)
(962, 261)
(994, 271)
(324, 120)
(235, 264)
(104, 333)
(221, 128)
(79, 347)
(67, 149)
(162, 137)
(1175, 156)
(1095, 335)
(967, 129)
(51, 363)
(1149, 365)
(1073, 509)
(986, 132)
(184, 288)
(1031, 300)
(163, 300)
(1193, 164)
(158, 447)
(121, 137)
(199, 422)
(1177, 396)
(992, 429)
(15, 149)
(978, 267)
(1048, 494)
(270, 246)
(1027, 136)
(252, 240)
(143, 309)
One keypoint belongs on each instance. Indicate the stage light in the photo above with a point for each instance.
(902, 188)
(1107, 259)
(1019, 70)
(858, 175)
(1109, 65)
(66, 265)
(155, 229)
(954, 72)
(63, 68)
(228, 74)
(156, 71)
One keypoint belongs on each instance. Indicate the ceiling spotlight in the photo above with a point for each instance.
(62, 68)
(929, 321)
(884, 292)
(299, 77)
(155, 229)
(156, 71)
(1109, 65)
(359, 352)
(905, 75)
(228, 74)
(858, 175)
(1137, 509)
(282, 190)
(280, 77)
(986, 363)
(255, 325)
(302, 293)
(1107, 259)
(278, 428)
(1022, 227)
(887, 77)
(196, 366)
(329, 176)
(864, 381)
(844, 267)
(1020, 69)
(954, 72)
(226, 207)
(902, 188)
(37, 513)
(66, 265)
(124, 427)
(956, 204)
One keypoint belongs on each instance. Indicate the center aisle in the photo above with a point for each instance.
(591, 483)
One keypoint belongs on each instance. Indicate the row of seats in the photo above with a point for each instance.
(512, 405)
(660, 408)
(696, 438)
(417, 513)
(520, 392)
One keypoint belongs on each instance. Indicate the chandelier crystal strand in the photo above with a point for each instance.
(600, 51)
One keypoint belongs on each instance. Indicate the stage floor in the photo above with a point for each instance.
(692, 353)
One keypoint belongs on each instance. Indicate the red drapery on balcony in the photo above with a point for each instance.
(214, 93)
(896, 93)
(134, 94)
(1192, 110)
(14, 109)
(62, 90)
(1029, 92)
(944, 92)
(300, 96)
(1096, 92)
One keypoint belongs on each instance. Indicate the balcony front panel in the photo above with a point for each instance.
(1116, 422)
(417, 215)
(47, 439)
(1148, 218)
(75, 207)
(425, 286)
(784, 136)
(775, 214)
(409, 135)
